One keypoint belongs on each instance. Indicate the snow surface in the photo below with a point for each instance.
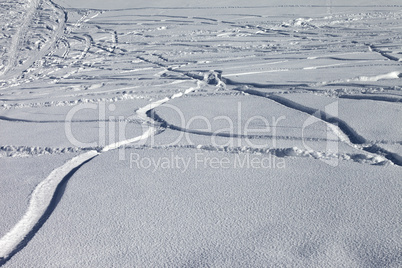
(200, 134)
(307, 214)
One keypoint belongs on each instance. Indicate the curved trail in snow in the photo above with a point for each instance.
(152, 114)
(349, 134)
(371, 97)
(41, 204)
(45, 196)
(340, 128)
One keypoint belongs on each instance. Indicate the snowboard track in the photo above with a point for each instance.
(15, 240)
(354, 138)
(58, 194)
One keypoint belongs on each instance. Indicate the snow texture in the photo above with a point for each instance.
(200, 134)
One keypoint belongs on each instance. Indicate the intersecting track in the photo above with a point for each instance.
(152, 114)
(31, 9)
(345, 132)
(46, 195)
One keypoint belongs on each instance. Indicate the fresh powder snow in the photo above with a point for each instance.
(200, 134)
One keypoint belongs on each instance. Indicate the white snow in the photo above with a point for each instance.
(306, 214)
(39, 202)
(391, 75)
(200, 134)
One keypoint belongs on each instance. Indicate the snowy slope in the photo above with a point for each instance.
(293, 108)
(307, 214)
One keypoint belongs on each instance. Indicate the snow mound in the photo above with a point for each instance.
(391, 75)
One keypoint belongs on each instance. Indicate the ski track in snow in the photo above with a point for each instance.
(339, 127)
(32, 6)
(41, 202)
(40, 205)
(372, 97)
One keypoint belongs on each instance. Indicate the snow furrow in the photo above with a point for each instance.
(341, 129)
(151, 130)
(277, 152)
(152, 114)
(40, 206)
(372, 97)
(42, 201)
(120, 97)
(143, 112)
(345, 132)
(384, 54)
(393, 157)
(375, 78)
(5, 118)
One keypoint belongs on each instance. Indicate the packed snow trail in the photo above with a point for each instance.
(39, 204)
(151, 130)
(345, 132)
(143, 113)
(340, 128)
(42, 201)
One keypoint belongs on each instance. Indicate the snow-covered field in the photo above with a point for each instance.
(200, 134)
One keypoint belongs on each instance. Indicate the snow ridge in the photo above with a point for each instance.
(152, 114)
(370, 159)
(26, 151)
(43, 199)
(39, 205)
(353, 136)
(345, 132)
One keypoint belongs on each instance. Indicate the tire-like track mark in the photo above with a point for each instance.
(67, 46)
(47, 194)
(88, 42)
